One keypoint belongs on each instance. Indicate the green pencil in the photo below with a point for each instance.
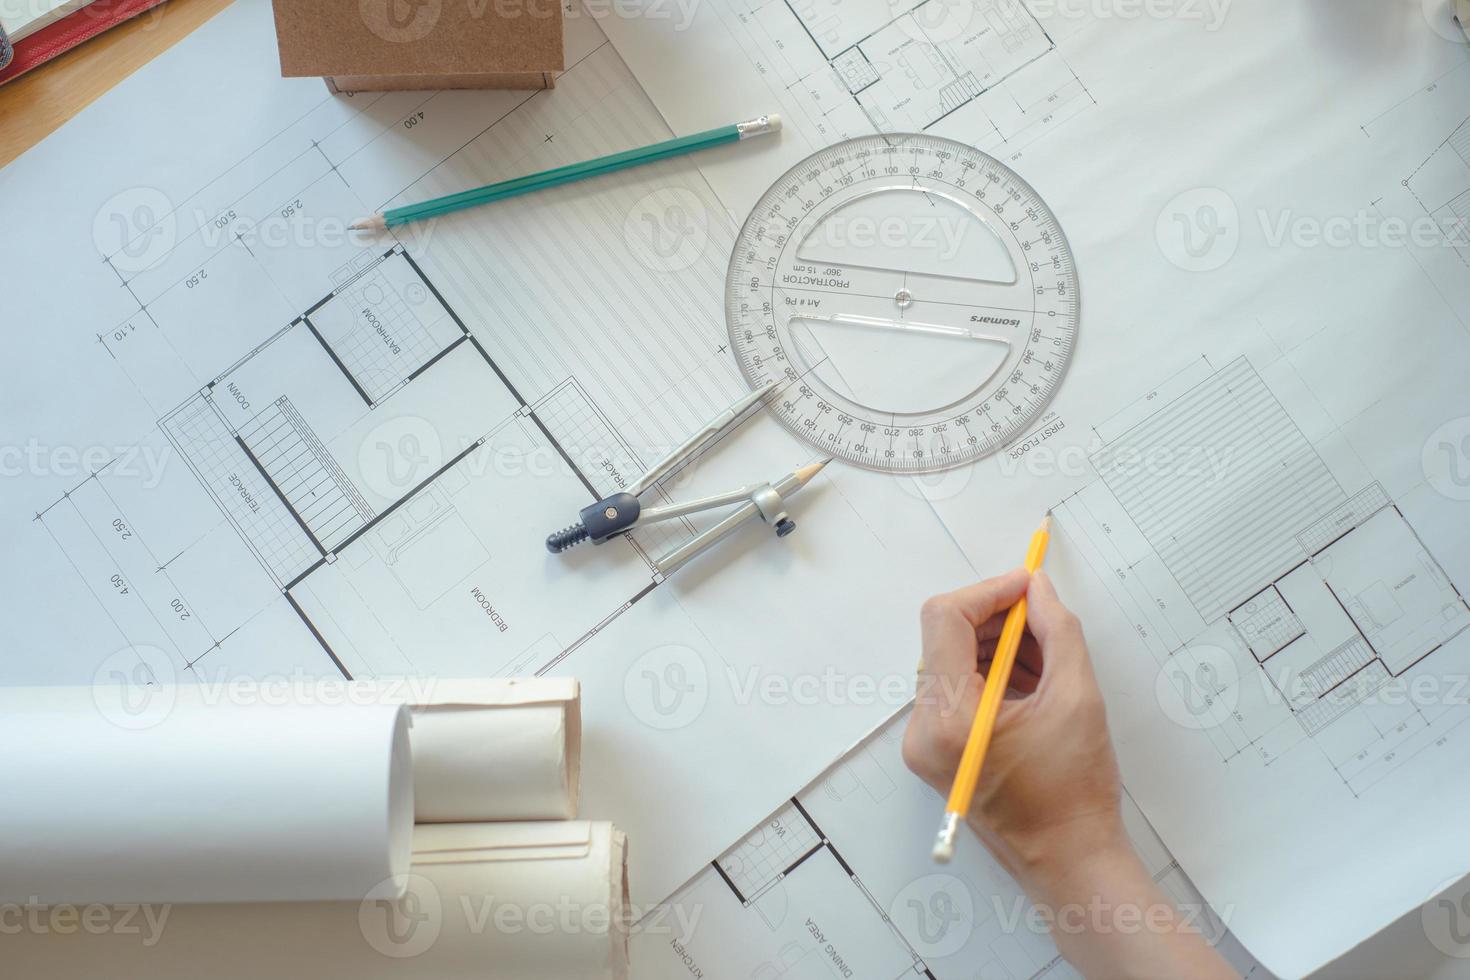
(572, 171)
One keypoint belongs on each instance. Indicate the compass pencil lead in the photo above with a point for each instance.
(805, 473)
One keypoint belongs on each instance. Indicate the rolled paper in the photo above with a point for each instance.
(491, 749)
(161, 796)
(511, 901)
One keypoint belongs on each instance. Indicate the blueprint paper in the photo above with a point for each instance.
(511, 901)
(319, 455)
(986, 72)
(205, 802)
(1258, 461)
(840, 876)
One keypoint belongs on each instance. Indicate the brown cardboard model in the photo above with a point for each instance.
(372, 45)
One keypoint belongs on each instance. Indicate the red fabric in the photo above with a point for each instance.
(70, 31)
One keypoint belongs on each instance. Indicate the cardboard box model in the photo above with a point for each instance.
(376, 45)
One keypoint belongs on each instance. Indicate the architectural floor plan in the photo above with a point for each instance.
(337, 450)
(1441, 184)
(906, 69)
(370, 556)
(837, 883)
(314, 453)
(986, 72)
(1292, 253)
(1282, 607)
(241, 441)
(1430, 192)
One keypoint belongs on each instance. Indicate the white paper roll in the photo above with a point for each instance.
(490, 749)
(510, 901)
(183, 800)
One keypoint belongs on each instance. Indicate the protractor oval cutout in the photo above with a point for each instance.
(896, 368)
(912, 231)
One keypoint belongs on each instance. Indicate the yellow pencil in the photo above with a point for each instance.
(996, 682)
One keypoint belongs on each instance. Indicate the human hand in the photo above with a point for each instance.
(1050, 793)
(1048, 805)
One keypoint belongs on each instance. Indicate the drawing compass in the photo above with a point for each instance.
(623, 512)
(912, 299)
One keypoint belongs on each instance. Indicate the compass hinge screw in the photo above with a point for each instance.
(773, 510)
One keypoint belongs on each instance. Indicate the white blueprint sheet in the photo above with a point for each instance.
(316, 455)
(839, 882)
(176, 554)
(1261, 465)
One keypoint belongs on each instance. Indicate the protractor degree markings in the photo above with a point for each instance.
(923, 440)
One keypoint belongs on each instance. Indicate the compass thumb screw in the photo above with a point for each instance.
(784, 527)
(559, 541)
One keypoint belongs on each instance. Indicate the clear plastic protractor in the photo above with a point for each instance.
(914, 300)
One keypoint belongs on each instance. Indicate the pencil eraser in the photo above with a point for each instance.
(774, 120)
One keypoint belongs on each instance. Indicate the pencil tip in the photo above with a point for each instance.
(1046, 522)
(374, 223)
(805, 473)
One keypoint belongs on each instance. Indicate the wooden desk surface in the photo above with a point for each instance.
(35, 104)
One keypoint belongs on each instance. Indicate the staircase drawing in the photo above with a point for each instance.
(306, 475)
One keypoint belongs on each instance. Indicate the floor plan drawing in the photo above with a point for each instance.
(261, 459)
(1430, 193)
(253, 444)
(838, 883)
(1344, 333)
(353, 450)
(985, 72)
(352, 542)
(315, 453)
(1265, 603)
(291, 445)
(1441, 185)
(908, 69)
